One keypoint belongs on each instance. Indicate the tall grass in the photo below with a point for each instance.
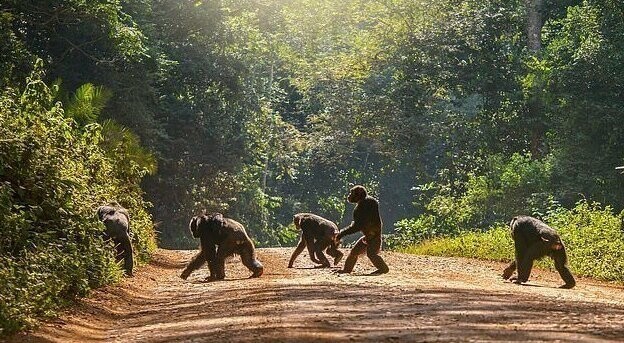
(592, 235)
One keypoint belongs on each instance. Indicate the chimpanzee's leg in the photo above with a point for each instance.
(210, 253)
(511, 268)
(125, 247)
(561, 261)
(333, 251)
(319, 246)
(225, 249)
(372, 251)
(308, 237)
(358, 249)
(248, 258)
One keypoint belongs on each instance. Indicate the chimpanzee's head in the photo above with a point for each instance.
(103, 211)
(356, 194)
(297, 220)
(206, 223)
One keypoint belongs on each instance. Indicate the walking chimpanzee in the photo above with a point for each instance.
(317, 234)
(220, 238)
(117, 222)
(366, 219)
(533, 239)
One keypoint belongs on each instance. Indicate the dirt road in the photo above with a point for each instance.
(422, 299)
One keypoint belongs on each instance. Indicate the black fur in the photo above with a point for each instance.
(366, 219)
(220, 238)
(117, 222)
(317, 234)
(533, 239)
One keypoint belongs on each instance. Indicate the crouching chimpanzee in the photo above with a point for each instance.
(317, 234)
(220, 238)
(533, 239)
(117, 223)
(366, 219)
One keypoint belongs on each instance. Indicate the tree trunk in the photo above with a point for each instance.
(265, 173)
(534, 24)
(535, 21)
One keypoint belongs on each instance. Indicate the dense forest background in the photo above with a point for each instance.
(261, 109)
(456, 114)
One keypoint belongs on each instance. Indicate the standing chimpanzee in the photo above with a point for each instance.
(366, 219)
(117, 223)
(220, 238)
(317, 234)
(533, 240)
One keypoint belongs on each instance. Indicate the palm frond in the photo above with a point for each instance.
(87, 103)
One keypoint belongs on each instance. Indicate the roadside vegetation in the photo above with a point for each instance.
(592, 235)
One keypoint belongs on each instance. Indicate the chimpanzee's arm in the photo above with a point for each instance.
(534, 251)
(210, 253)
(297, 252)
(195, 264)
(360, 219)
(351, 229)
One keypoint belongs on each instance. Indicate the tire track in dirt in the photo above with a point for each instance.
(422, 299)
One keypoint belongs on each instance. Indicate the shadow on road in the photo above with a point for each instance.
(312, 306)
(329, 312)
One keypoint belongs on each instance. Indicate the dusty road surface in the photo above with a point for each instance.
(422, 299)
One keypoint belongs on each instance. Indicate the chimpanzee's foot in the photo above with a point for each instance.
(322, 266)
(342, 271)
(567, 286)
(507, 274)
(257, 273)
(337, 259)
(518, 281)
(185, 274)
(379, 272)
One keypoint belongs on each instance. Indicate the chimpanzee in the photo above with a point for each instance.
(366, 219)
(317, 234)
(533, 239)
(220, 238)
(117, 222)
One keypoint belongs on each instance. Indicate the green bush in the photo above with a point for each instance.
(494, 244)
(510, 186)
(592, 235)
(594, 240)
(53, 175)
